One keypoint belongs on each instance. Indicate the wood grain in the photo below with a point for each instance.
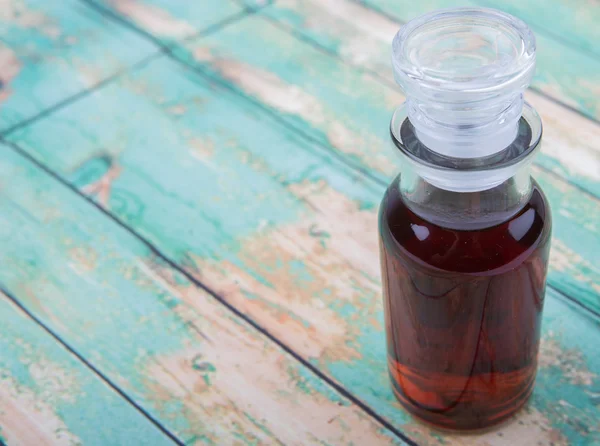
(284, 231)
(569, 147)
(48, 397)
(317, 100)
(174, 20)
(51, 50)
(565, 71)
(205, 374)
(570, 21)
(346, 111)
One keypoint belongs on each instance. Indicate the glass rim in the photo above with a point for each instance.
(493, 162)
(515, 69)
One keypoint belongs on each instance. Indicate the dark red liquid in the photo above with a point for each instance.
(463, 312)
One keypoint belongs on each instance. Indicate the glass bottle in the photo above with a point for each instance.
(464, 229)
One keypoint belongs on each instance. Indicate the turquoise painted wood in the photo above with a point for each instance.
(173, 20)
(283, 230)
(201, 371)
(570, 21)
(566, 70)
(366, 44)
(261, 180)
(51, 50)
(347, 112)
(47, 396)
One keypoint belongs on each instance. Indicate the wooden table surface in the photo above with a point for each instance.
(188, 198)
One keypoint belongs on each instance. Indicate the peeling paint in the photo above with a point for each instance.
(29, 419)
(366, 43)
(312, 281)
(293, 99)
(9, 69)
(221, 380)
(18, 12)
(569, 361)
(153, 19)
(293, 305)
(528, 427)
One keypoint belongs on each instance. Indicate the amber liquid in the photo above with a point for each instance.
(463, 311)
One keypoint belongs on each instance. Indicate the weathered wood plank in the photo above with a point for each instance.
(365, 43)
(563, 71)
(348, 111)
(51, 50)
(174, 20)
(571, 21)
(192, 364)
(333, 24)
(48, 397)
(280, 227)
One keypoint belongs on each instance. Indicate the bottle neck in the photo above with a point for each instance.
(466, 210)
(466, 174)
(471, 129)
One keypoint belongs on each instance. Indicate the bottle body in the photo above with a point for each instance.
(463, 302)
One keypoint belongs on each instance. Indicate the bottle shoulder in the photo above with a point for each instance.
(405, 233)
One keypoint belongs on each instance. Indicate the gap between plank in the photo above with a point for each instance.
(556, 37)
(91, 367)
(367, 173)
(171, 263)
(386, 82)
(578, 304)
(382, 80)
(166, 49)
(160, 52)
